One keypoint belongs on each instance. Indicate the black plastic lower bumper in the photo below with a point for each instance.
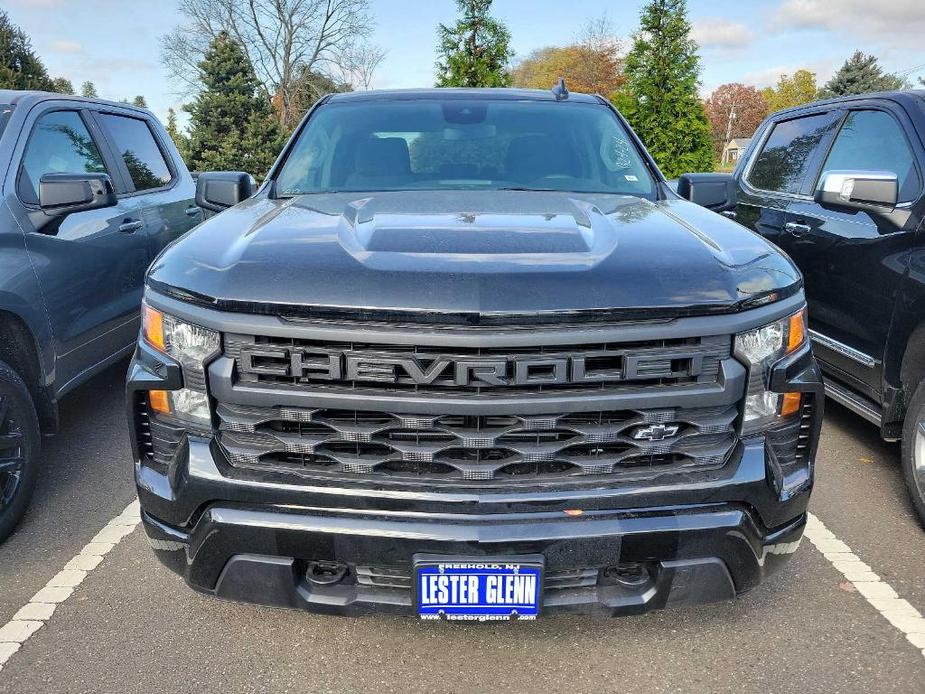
(629, 561)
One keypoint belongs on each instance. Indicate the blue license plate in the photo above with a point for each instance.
(478, 589)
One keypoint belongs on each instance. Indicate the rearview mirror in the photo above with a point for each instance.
(715, 191)
(219, 190)
(61, 194)
(867, 191)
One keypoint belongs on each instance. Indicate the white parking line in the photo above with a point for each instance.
(33, 615)
(880, 594)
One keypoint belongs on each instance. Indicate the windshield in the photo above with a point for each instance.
(438, 144)
(5, 111)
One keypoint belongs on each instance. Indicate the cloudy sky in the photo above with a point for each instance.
(115, 43)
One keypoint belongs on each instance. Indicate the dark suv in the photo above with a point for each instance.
(839, 186)
(92, 191)
(465, 355)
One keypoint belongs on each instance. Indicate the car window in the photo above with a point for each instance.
(139, 150)
(445, 144)
(785, 158)
(59, 143)
(874, 141)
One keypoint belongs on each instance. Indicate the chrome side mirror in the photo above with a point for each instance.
(867, 191)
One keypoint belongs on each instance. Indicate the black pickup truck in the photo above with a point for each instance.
(840, 186)
(465, 355)
(92, 191)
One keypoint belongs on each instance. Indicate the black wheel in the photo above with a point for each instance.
(913, 455)
(19, 448)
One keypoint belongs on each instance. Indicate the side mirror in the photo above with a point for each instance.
(715, 191)
(61, 194)
(219, 190)
(866, 191)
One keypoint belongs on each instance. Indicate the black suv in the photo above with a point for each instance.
(466, 355)
(92, 191)
(839, 186)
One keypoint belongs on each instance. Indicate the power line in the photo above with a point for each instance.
(910, 70)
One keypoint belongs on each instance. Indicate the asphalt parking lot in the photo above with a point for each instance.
(131, 626)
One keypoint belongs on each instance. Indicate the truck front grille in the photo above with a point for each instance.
(476, 448)
(392, 368)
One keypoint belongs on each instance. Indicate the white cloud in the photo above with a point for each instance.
(721, 33)
(62, 46)
(895, 20)
(823, 68)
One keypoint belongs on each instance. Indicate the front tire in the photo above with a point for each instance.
(913, 451)
(19, 449)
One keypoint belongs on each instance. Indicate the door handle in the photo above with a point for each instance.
(130, 225)
(797, 228)
(192, 211)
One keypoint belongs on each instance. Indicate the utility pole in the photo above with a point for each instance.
(732, 117)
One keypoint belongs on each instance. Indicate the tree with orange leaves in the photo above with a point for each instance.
(592, 64)
(734, 110)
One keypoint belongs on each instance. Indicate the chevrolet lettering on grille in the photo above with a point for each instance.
(309, 365)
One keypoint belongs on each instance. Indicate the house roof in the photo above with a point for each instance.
(739, 143)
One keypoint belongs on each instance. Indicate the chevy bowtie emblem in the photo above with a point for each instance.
(656, 432)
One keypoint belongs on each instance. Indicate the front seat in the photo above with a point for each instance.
(381, 163)
(532, 157)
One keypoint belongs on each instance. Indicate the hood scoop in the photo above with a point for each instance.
(576, 233)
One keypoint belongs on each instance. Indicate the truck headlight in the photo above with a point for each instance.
(192, 346)
(761, 348)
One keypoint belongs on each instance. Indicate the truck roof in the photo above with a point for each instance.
(494, 94)
(16, 96)
(905, 95)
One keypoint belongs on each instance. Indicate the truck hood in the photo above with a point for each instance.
(474, 253)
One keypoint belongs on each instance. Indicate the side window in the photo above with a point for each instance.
(784, 161)
(874, 141)
(139, 150)
(59, 143)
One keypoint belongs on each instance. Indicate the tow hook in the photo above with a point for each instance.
(326, 573)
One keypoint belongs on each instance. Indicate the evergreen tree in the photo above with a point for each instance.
(20, 67)
(475, 51)
(861, 74)
(140, 102)
(88, 90)
(61, 85)
(660, 97)
(179, 138)
(232, 125)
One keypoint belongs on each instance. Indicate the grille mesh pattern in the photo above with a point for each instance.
(476, 447)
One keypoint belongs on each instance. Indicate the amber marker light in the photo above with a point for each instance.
(159, 401)
(573, 512)
(796, 334)
(153, 327)
(790, 404)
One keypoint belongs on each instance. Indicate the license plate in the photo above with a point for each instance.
(478, 588)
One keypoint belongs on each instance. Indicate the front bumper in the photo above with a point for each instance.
(235, 547)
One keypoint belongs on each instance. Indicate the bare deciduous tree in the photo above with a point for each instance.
(283, 39)
(360, 65)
